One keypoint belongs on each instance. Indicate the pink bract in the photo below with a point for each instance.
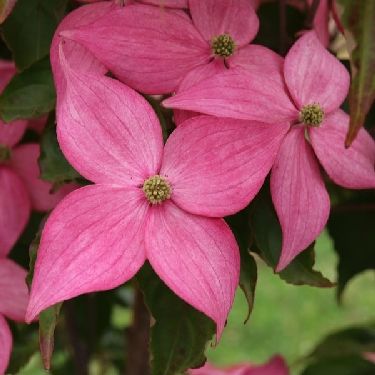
(310, 76)
(100, 235)
(162, 3)
(275, 366)
(13, 302)
(152, 49)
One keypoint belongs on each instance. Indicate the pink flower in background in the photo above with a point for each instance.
(13, 302)
(148, 202)
(6, 6)
(308, 95)
(162, 3)
(276, 366)
(20, 186)
(152, 50)
(38, 124)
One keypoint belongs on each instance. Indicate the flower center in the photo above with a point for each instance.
(4, 153)
(157, 189)
(311, 115)
(223, 45)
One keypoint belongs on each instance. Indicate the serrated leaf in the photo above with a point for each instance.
(29, 94)
(358, 20)
(351, 226)
(239, 224)
(268, 238)
(53, 165)
(29, 29)
(180, 333)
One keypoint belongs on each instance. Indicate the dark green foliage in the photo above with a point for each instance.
(180, 333)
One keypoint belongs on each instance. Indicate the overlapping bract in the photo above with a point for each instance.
(310, 75)
(152, 50)
(99, 236)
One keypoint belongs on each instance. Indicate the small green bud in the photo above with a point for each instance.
(223, 45)
(157, 189)
(311, 115)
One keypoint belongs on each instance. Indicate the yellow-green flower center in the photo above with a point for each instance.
(311, 115)
(157, 189)
(4, 153)
(223, 45)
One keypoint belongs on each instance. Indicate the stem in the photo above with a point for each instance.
(138, 339)
(311, 15)
(80, 351)
(283, 32)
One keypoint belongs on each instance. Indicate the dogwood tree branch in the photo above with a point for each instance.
(138, 339)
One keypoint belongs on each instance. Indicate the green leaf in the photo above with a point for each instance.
(180, 333)
(240, 226)
(47, 318)
(29, 94)
(29, 29)
(341, 366)
(358, 20)
(33, 367)
(53, 165)
(342, 353)
(267, 240)
(351, 226)
(350, 341)
(47, 324)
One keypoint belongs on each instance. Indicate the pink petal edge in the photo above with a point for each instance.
(351, 167)
(25, 162)
(14, 209)
(148, 48)
(206, 273)
(101, 119)
(313, 75)
(14, 294)
(217, 165)
(216, 17)
(241, 94)
(92, 241)
(299, 196)
(192, 78)
(6, 344)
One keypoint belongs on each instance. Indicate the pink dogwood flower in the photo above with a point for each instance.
(152, 50)
(20, 186)
(276, 366)
(307, 91)
(181, 4)
(150, 202)
(13, 302)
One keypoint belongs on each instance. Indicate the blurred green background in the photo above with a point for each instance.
(291, 320)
